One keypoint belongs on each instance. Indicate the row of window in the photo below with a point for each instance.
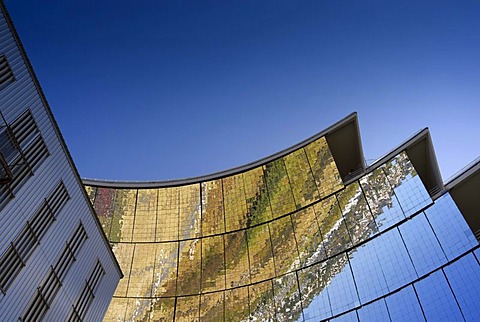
(79, 309)
(399, 256)
(52, 282)
(21, 248)
(218, 206)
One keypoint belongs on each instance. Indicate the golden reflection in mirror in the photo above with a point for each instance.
(141, 272)
(162, 310)
(165, 274)
(308, 237)
(235, 202)
(117, 309)
(323, 167)
(213, 217)
(284, 245)
(301, 178)
(145, 216)
(187, 309)
(262, 307)
(236, 304)
(279, 190)
(124, 254)
(188, 279)
(189, 212)
(168, 209)
(213, 266)
(212, 307)
(236, 259)
(332, 226)
(262, 265)
(258, 201)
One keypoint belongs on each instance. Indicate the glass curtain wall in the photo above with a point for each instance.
(288, 241)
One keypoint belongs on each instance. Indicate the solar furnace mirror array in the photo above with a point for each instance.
(286, 240)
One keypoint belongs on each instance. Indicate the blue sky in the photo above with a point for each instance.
(156, 90)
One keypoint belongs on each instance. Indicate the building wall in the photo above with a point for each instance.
(31, 242)
(289, 241)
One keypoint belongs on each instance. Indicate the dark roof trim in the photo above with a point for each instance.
(348, 120)
(462, 175)
(57, 131)
(421, 153)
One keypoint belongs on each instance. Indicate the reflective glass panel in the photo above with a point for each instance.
(382, 201)
(187, 308)
(258, 201)
(367, 268)
(404, 306)
(137, 309)
(396, 264)
(123, 215)
(236, 304)
(308, 237)
(464, 278)
(188, 281)
(212, 307)
(235, 202)
(284, 245)
(341, 290)
(347, 317)
(301, 178)
(141, 273)
(422, 245)
(356, 213)
(335, 235)
(437, 299)
(323, 166)
(162, 310)
(260, 253)
(279, 190)
(91, 192)
(315, 300)
(165, 275)
(287, 298)
(262, 307)
(189, 214)
(168, 209)
(124, 255)
(407, 185)
(213, 266)
(104, 206)
(116, 309)
(144, 229)
(450, 227)
(236, 259)
(213, 218)
(374, 312)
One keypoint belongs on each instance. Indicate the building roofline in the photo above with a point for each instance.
(463, 174)
(420, 150)
(57, 130)
(348, 120)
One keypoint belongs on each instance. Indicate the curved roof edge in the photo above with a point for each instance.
(464, 189)
(421, 153)
(332, 133)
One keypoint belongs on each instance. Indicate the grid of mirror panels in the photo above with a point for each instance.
(283, 241)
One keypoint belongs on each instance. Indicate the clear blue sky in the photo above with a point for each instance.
(156, 90)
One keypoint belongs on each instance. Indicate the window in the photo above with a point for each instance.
(52, 282)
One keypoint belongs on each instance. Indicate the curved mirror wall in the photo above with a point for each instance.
(285, 241)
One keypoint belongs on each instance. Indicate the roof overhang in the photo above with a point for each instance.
(343, 138)
(465, 191)
(420, 151)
